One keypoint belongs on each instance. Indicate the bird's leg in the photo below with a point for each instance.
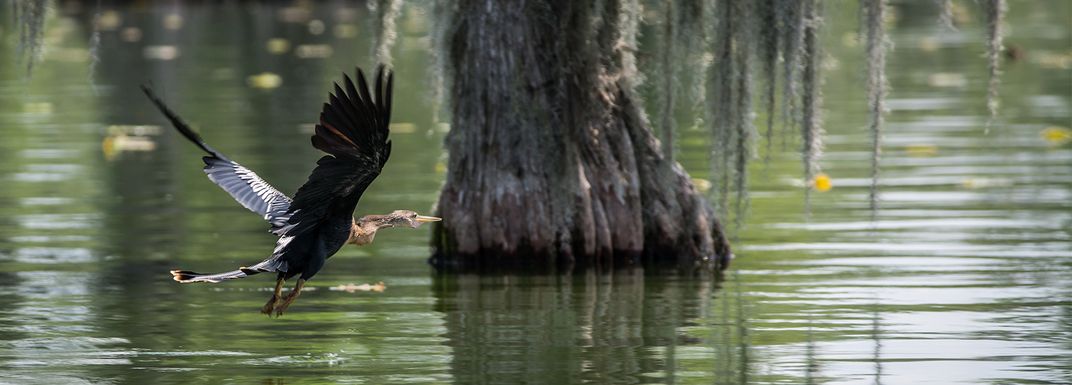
(290, 298)
(267, 309)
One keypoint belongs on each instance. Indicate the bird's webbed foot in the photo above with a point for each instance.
(289, 299)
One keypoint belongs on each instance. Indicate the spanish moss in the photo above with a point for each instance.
(732, 102)
(811, 103)
(690, 33)
(629, 23)
(790, 15)
(441, 12)
(768, 61)
(876, 46)
(668, 82)
(30, 17)
(722, 104)
(743, 125)
(94, 47)
(995, 13)
(387, 12)
(945, 15)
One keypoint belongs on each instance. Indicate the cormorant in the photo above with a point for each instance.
(319, 220)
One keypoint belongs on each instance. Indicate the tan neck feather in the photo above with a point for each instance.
(362, 232)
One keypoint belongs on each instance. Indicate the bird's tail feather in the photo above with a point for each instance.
(185, 276)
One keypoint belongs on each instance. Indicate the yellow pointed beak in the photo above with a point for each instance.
(424, 219)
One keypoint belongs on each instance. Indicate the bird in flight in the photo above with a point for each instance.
(319, 220)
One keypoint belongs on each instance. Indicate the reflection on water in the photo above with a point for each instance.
(962, 277)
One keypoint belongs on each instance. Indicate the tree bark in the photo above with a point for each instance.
(552, 160)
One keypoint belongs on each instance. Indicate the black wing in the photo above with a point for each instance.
(353, 130)
(242, 183)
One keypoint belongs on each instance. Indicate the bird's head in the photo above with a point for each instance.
(407, 218)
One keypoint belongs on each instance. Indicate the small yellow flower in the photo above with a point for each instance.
(277, 46)
(822, 183)
(265, 80)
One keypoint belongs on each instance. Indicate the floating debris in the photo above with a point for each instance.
(173, 21)
(1057, 135)
(314, 51)
(947, 80)
(345, 14)
(277, 46)
(295, 14)
(978, 183)
(130, 34)
(822, 183)
(316, 27)
(161, 52)
(38, 108)
(1054, 60)
(265, 81)
(702, 185)
(307, 128)
(138, 130)
(109, 21)
(378, 287)
(113, 145)
(929, 44)
(70, 55)
(403, 128)
(223, 73)
(921, 150)
(345, 31)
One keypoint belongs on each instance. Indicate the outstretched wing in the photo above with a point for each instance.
(243, 184)
(353, 129)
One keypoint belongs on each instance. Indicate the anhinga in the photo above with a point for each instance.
(319, 220)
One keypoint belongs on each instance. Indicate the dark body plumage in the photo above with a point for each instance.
(318, 221)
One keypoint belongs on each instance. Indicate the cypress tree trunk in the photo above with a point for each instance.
(551, 157)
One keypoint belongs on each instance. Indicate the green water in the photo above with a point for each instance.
(964, 276)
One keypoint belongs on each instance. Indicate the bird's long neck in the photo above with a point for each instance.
(363, 231)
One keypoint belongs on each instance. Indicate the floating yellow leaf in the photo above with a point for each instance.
(921, 150)
(822, 183)
(278, 46)
(440, 168)
(264, 80)
(1057, 135)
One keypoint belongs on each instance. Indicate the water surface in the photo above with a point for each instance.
(963, 276)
